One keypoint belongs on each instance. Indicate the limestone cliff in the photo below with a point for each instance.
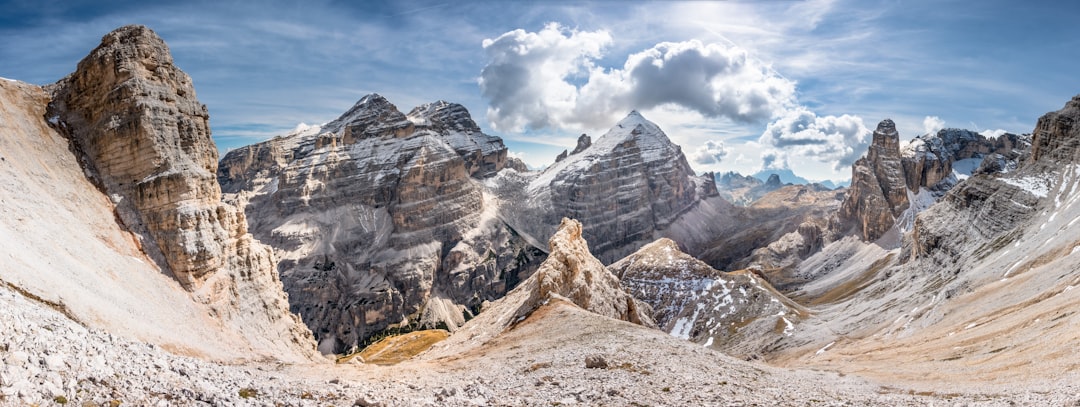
(929, 160)
(143, 137)
(626, 187)
(378, 220)
(878, 193)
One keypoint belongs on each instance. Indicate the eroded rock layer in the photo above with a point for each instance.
(145, 139)
(626, 188)
(379, 221)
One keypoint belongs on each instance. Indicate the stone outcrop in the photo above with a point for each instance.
(735, 312)
(878, 193)
(583, 142)
(378, 220)
(1056, 136)
(625, 187)
(928, 160)
(144, 137)
(892, 185)
(571, 272)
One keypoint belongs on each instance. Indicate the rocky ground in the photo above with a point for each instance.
(545, 360)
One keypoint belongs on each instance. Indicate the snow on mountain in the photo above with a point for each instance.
(980, 287)
(734, 312)
(626, 187)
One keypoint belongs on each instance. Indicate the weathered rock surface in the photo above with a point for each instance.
(878, 193)
(144, 137)
(1054, 139)
(626, 187)
(738, 313)
(378, 220)
(928, 160)
(571, 272)
(982, 288)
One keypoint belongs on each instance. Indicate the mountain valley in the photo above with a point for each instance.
(143, 269)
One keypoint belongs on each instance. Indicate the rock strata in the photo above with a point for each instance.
(145, 138)
(738, 312)
(571, 272)
(626, 187)
(379, 221)
(878, 193)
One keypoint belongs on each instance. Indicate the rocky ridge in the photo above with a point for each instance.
(981, 288)
(737, 313)
(379, 221)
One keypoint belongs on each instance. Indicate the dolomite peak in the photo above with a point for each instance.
(144, 138)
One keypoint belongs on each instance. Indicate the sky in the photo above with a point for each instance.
(740, 85)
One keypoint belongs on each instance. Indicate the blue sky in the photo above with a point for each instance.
(739, 84)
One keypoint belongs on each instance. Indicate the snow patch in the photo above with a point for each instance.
(1035, 185)
(825, 348)
(962, 169)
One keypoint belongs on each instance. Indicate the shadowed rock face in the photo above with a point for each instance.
(378, 220)
(145, 139)
(878, 193)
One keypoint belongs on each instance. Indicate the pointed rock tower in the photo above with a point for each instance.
(878, 188)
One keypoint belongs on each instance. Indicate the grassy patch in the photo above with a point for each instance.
(395, 349)
(852, 286)
(248, 393)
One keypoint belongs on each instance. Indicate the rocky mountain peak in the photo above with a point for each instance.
(737, 312)
(878, 193)
(145, 139)
(774, 182)
(624, 186)
(371, 116)
(444, 115)
(571, 272)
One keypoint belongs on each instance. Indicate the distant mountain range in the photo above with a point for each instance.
(788, 176)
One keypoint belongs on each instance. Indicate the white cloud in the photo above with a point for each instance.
(932, 124)
(712, 152)
(993, 133)
(550, 79)
(835, 140)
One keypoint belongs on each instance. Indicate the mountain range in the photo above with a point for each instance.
(141, 268)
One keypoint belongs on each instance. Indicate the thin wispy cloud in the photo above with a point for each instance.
(264, 67)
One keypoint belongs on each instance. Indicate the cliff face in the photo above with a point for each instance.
(878, 193)
(142, 137)
(625, 187)
(378, 219)
(1055, 138)
(929, 160)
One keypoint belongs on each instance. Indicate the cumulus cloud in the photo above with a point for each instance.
(932, 124)
(993, 133)
(712, 152)
(836, 140)
(550, 78)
